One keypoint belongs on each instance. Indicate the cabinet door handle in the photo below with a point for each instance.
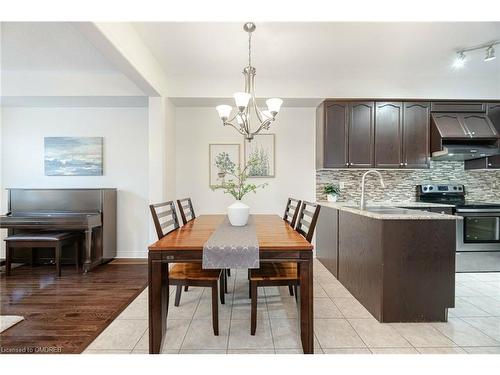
(473, 133)
(401, 164)
(489, 164)
(406, 164)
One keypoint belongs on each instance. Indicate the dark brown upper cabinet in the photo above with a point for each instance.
(416, 134)
(388, 135)
(361, 134)
(493, 112)
(478, 126)
(336, 115)
(490, 162)
(449, 125)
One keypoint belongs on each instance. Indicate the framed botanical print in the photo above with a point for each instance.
(261, 149)
(222, 158)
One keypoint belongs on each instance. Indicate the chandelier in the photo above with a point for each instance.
(245, 101)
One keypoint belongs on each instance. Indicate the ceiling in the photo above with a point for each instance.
(325, 59)
(54, 58)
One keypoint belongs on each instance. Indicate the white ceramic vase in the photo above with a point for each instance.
(238, 214)
(331, 198)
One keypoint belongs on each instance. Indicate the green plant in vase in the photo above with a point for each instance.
(332, 192)
(238, 187)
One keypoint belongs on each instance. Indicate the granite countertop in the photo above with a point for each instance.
(398, 214)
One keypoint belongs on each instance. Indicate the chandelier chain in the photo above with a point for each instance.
(249, 49)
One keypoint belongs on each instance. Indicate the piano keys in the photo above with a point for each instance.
(92, 211)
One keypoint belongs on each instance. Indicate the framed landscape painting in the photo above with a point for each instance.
(73, 156)
(222, 157)
(261, 148)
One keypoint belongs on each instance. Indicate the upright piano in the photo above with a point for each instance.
(91, 211)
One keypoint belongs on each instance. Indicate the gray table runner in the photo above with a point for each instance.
(232, 247)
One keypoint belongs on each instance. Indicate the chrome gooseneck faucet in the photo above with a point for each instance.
(363, 203)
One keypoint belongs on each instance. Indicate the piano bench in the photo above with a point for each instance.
(55, 240)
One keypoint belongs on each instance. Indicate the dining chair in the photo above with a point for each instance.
(282, 274)
(187, 274)
(291, 211)
(186, 209)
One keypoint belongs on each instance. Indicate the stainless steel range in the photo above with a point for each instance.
(478, 234)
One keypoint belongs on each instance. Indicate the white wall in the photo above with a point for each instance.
(197, 127)
(125, 132)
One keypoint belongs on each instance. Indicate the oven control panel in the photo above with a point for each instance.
(457, 189)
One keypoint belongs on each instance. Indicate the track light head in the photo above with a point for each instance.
(490, 54)
(459, 60)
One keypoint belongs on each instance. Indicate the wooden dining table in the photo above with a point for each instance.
(278, 242)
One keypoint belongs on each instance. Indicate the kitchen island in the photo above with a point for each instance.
(399, 263)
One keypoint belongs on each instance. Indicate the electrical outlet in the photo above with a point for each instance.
(341, 184)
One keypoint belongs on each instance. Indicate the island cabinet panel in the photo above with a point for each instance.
(388, 135)
(416, 134)
(327, 238)
(336, 115)
(397, 274)
(361, 134)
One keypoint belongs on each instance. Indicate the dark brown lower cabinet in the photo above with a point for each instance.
(327, 238)
(406, 277)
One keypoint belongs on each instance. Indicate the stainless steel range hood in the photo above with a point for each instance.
(464, 151)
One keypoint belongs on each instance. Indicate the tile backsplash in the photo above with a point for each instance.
(480, 185)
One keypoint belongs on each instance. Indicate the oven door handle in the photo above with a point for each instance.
(475, 210)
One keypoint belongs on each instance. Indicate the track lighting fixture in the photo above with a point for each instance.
(488, 47)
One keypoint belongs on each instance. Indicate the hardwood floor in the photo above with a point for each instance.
(64, 315)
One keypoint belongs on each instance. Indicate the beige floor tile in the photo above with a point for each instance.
(464, 290)
(188, 305)
(378, 335)
(176, 331)
(488, 325)
(200, 335)
(281, 308)
(241, 309)
(489, 304)
(351, 308)
(393, 350)
(195, 351)
(465, 277)
(347, 351)
(251, 351)
(465, 309)
(319, 292)
(334, 290)
(289, 351)
(144, 294)
(324, 308)
(422, 335)
(336, 333)
(482, 350)
(455, 350)
(485, 288)
(326, 278)
(487, 276)
(316, 343)
(286, 333)
(120, 334)
(463, 334)
(138, 309)
(240, 338)
(204, 308)
(106, 351)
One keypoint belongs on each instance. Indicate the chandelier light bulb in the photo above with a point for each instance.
(241, 99)
(224, 111)
(274, 105)
(490, 54)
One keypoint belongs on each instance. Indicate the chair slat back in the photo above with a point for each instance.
(164, 218)
(291, 211)
(307, 218)
(186, 209)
